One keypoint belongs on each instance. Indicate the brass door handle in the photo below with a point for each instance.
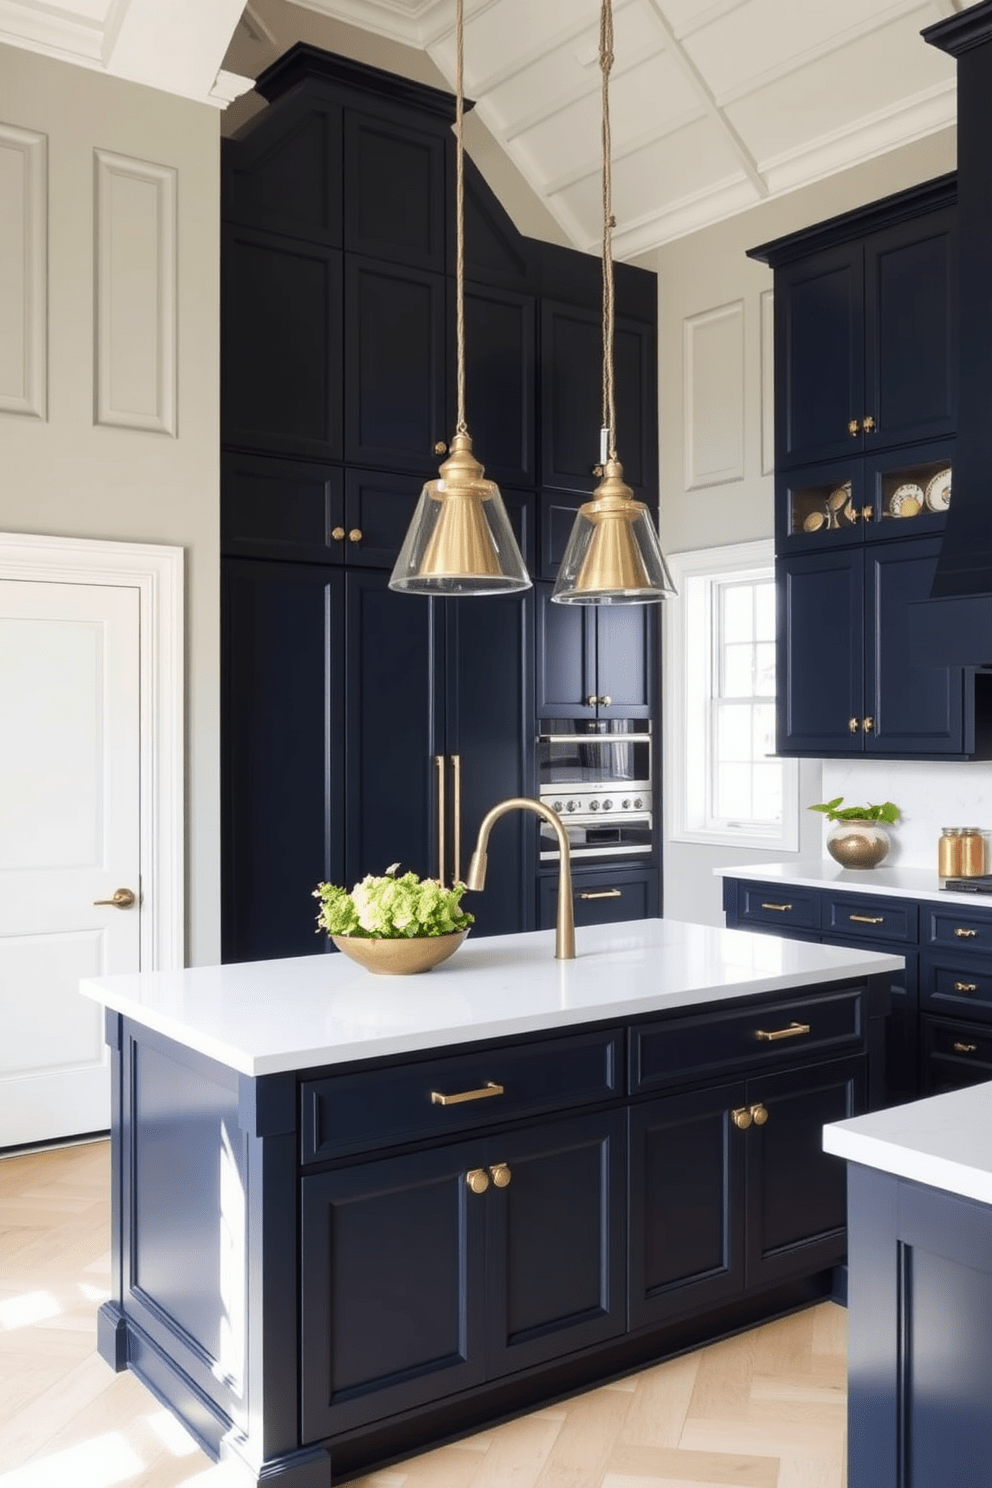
(960, 1048)
(338, 534)
(442, 812)
(601, 894)
(779, 908)
(759, 1114)
(489, 1089)
(963, 934)
(456, 815)
(501, 1175)
(355, 535)
(477, 1180)
(741, 1118)
(867, 919)
(794, 1030)
(854, 428)
(122, 899)
(965, 986)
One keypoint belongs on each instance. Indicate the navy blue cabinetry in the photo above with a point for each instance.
(595, 661)
(602, 896)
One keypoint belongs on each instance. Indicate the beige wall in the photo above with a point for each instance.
(710, 297)
(63, 473)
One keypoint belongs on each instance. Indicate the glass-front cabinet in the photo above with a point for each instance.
(904, 493)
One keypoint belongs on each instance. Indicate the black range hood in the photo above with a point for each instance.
(959, 616)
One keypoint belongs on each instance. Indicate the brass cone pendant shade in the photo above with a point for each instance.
(460, 541)
(613, 554)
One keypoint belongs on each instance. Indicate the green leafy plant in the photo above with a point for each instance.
(391, 908)
(887, 812)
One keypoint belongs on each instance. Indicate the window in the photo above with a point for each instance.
(724, 784)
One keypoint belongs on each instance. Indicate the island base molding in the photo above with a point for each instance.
(123, 1345)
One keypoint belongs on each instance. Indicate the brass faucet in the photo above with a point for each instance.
(476, 876)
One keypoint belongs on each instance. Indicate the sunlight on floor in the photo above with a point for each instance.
(32, 1307)
(92, 1464)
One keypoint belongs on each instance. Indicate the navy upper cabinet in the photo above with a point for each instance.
(500, 398)
(395, 177)
(866, 328)
(595, 661)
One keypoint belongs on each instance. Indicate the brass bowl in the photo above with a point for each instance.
(400, 957)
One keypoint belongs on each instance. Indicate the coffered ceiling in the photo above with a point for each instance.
(715, 104)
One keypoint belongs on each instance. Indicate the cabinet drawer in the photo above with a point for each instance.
(858, 918)
(965, 931)
(955, 1055)
(955, 984)
(410, 1102)
(783, 906)
(660, 1052)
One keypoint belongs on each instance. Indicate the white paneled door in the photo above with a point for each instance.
(69, 840)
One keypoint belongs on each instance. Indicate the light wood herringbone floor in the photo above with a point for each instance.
(765, 1410)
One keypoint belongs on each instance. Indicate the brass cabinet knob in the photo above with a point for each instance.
(741, 1117)
(501, 1175)
(338, 534)
(867, 512)
(868, 724)
(760, 1114)
(591, 700)
(606, 701)
(355, 535)
(477, 1180)
(868, 424)
(122, 899)
(854, 428)
(440, 448)
(853, 724)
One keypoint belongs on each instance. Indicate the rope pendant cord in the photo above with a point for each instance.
(606, 64)
(460, 427)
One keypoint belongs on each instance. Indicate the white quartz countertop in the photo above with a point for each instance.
(261, 1017)
(944, 1141)
(824, 873)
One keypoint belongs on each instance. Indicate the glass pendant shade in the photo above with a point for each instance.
(613, 554)
(460, 541)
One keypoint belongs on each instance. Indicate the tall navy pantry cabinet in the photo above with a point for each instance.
(362, 727)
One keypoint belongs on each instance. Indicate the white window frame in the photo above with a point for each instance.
(689, 660)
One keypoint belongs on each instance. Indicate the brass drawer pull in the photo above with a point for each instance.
(794, 1030)
(490, 1088)
(477, 1180)
(779, 908)
(741, 1118)
(501, 1175)
(965, 934)
(760, 1114)
(966, 986)
(867, 919)
(960, 1048)
(601, 894)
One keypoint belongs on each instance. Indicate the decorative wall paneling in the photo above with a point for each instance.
(714, 404)
(24, 271)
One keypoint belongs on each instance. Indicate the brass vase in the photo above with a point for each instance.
(400, 956)
(857, 843)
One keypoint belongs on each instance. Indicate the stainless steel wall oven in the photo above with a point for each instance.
(597, 775)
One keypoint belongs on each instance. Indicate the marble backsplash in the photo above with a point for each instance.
(930, 796)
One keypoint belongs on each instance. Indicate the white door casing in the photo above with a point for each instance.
(91, 801)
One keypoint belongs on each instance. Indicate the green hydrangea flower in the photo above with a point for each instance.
(389, 908)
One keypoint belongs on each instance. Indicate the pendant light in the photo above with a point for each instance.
(460, 541)
(613, 554)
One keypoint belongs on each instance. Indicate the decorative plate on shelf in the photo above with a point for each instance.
(938, 497)
(814, 522)
(839, 497)
(906, 500)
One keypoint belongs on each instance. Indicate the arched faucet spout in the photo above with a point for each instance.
(476, 876)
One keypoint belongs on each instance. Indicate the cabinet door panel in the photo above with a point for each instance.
(819, 356)
(911, 323)
(604, 898)
(379, 506)
(499, 382)
(395, 188)
(392, 718)
(686, 1243)
(918, 710)
(394, 351)
(280, 509)
(796, 1204)
(566, 658)
(555, 1241)
(282, 640)
(820, 652)
(625, 659)
(392, 1274)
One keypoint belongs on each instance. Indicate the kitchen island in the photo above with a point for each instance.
(356, 1216)
(920, 1291)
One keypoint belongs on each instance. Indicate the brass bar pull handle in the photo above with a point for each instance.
(456, 814)
(779, 908)
(794, 1030)
(966, 986)
(501, 1175)
(867, 919)
(601, 894)
(759, 1114)
(483, 1093)
(338, 534)
(122, 899)
(960, 1048)
(964, 934)
(741, 1118)
(477, 1180)
(441, 813)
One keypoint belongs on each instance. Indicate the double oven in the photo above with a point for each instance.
(596, 774)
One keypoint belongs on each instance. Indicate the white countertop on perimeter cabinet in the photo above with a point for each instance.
(824, 873)
(944, 1141)
(262, 1017)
